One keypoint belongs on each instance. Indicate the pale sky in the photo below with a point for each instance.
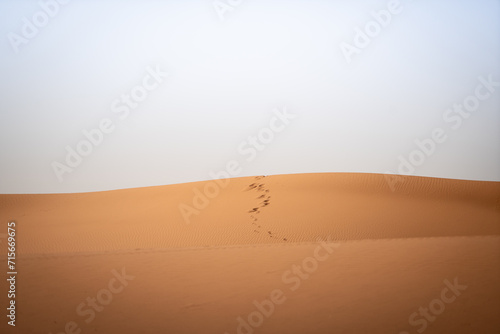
(226, 79)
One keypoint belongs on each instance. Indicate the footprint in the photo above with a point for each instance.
(266, 200)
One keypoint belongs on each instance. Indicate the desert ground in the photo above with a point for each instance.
(299, 253)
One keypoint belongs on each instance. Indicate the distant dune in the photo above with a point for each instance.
(302, 253)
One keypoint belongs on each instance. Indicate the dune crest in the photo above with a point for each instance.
(254, 210)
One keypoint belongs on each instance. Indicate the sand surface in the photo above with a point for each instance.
(325, 253)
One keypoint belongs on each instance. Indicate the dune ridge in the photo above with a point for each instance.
(255, 210)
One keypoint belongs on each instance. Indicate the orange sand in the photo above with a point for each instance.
(391, 253)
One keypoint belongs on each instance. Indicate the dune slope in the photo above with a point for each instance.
(306, 253)
(254, 210)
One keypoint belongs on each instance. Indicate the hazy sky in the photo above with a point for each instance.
(359, 103)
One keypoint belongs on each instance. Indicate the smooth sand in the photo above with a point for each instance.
(392, 252)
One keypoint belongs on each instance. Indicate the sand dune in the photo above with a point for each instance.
(330, 253)
(300, 208)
